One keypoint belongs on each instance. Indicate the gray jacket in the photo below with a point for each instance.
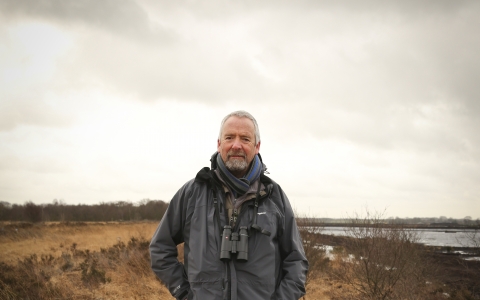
(276, 266)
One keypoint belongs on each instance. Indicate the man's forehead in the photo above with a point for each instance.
(235, 122)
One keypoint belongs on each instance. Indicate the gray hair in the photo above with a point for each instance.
(242, 114)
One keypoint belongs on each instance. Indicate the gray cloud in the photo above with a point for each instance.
(124, 17)
(339, 50)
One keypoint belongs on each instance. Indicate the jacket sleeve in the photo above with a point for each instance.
(163, 246)
(294, 263)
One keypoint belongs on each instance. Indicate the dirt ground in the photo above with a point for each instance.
(455, 271)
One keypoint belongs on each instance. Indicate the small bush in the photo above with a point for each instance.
(92, 276)
(380, 261)
(66, 262)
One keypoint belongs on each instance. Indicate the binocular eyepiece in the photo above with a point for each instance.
(234, 243)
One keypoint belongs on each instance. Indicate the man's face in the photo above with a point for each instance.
(237, 145)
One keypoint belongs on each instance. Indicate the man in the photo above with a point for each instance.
(241, 239)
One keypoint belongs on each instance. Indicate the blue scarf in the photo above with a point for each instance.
(240, 185)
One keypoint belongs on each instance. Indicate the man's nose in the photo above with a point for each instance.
(237, 144)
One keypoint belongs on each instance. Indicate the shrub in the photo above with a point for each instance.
(92, 275)
(381, 261)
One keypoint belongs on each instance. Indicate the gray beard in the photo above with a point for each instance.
(236, 165)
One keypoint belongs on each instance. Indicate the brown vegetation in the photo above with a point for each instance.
(78, 261)
(381, 262)
(18, 240)
(111, 261)
(375, 261)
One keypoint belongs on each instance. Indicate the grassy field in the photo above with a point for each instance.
(111, 261)
(55, 238)
(83, 261)
(78, 261)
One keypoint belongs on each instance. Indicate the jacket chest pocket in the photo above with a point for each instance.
(268, 218)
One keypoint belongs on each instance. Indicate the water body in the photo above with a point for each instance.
(430, 237)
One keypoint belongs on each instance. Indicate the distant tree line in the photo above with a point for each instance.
(103, 212)
(442, 221)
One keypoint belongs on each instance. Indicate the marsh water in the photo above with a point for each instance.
(430, 237)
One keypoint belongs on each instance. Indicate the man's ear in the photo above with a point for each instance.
(257, 148)
(218, 145)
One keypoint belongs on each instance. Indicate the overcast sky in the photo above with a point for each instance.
(360, 103)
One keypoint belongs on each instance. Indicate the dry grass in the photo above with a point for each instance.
(87, 261)
(78, 261)
(111, 261)
(53, 238)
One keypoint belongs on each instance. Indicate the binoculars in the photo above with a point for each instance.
(234, 243)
